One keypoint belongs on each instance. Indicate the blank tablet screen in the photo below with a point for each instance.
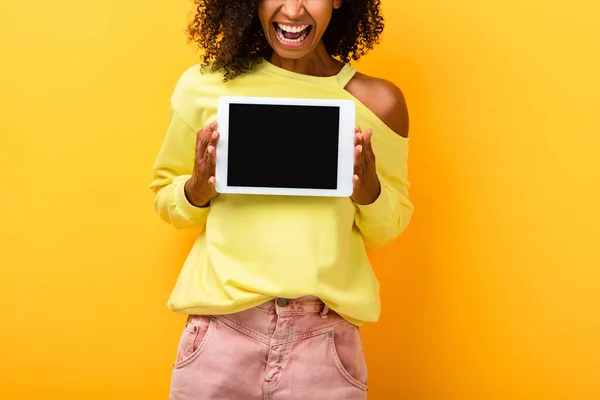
(283, 146)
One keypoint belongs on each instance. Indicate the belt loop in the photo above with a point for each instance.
(324, 311)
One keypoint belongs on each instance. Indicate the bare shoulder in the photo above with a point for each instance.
(384, 99)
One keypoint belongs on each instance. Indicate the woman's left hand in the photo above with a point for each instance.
(365, 180)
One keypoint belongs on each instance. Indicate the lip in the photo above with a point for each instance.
(290, 23)
(291, 45)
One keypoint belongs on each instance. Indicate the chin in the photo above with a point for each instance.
(290, 55)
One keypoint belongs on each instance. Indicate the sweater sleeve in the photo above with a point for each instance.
(385, 219)
(173, 167)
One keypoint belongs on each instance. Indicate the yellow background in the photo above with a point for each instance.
(492, 293)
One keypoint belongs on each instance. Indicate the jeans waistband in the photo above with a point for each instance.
(300, 305)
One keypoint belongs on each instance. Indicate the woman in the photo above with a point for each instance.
(276, 287)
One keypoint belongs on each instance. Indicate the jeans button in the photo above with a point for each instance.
(281, 302)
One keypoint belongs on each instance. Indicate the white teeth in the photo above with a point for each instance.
(292, 29)
(283, 39)
(281, 28)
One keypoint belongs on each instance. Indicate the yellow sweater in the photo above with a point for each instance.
(254, 248)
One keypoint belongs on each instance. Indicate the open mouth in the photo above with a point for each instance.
(293, 35)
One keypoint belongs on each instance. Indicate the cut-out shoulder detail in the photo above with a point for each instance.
(384, 99)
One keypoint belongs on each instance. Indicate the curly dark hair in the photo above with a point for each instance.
(232, 38)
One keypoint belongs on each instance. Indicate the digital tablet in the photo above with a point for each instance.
(285, 146)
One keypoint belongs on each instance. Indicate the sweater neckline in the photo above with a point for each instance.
(339, 80)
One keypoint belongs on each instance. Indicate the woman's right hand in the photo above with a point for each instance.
(200, 188)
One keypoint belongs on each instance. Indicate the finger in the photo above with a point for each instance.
(357, 158)
(368, 136)
(202, 141)
(210, 160)
(210, 152)
(199, 142)
(205, 135)
(357, 136)
(211, 148)
(211, 155)
(214, 138)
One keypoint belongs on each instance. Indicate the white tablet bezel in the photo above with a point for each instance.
(345, 146)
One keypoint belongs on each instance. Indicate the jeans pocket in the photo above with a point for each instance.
(193, 339)
(346, 346)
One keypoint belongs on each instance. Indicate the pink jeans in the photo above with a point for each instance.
(281, 350)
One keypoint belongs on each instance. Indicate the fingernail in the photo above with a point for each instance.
(360, 149)
(210, 149)
(215, 135)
